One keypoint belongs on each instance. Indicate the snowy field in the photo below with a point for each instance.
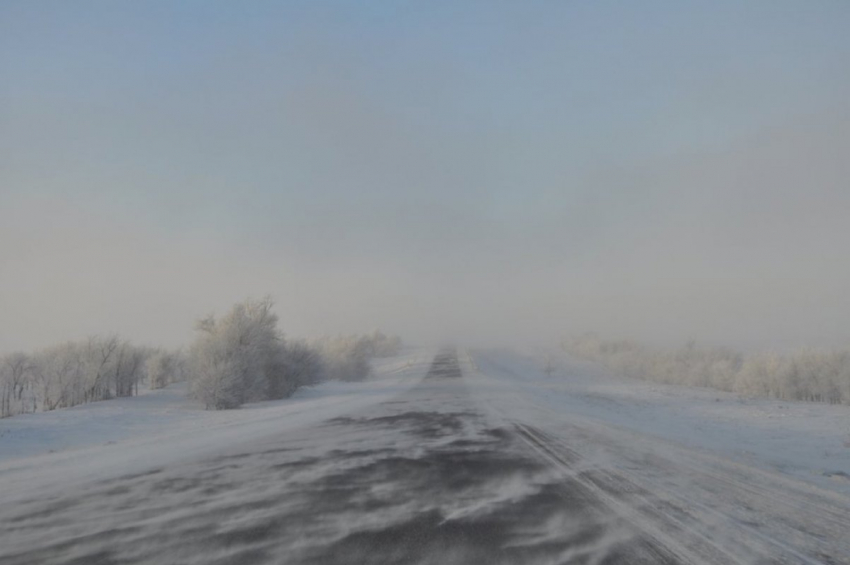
(810, 441)
(163, 427)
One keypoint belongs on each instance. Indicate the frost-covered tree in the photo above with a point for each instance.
(843, 378)
(237, 358)
(383, 345)
(304, 364)
(97, 368)
(234, 357)
(346, 357)
(163, 368)
(58, 376)
(15, 393)
(128, 369)
(99, 359)
(808, 374)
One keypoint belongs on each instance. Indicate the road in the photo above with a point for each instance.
(437, 475)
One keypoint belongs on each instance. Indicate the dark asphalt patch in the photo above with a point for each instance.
(445, 365)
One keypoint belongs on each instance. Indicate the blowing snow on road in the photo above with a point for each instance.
(464, 465)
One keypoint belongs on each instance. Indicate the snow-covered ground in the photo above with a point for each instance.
(809, 441)
(506, 458)
(164, 427)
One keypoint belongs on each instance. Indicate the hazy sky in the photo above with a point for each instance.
(471, 170)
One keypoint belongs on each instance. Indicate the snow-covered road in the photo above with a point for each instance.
(670, 469)
(474, 458)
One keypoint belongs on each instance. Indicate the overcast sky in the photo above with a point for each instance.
(483, 171)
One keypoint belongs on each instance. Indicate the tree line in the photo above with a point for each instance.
(75, 372)
(817, 375)
(240, 357)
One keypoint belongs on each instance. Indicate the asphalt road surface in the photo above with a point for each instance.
(425, 478)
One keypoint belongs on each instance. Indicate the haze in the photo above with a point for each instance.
(488, 172)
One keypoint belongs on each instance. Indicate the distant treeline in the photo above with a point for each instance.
(240, 357)
(816, 375)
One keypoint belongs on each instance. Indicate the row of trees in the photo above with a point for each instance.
(243, 357)
(76, 372)
(240, 357)
(808, 374)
